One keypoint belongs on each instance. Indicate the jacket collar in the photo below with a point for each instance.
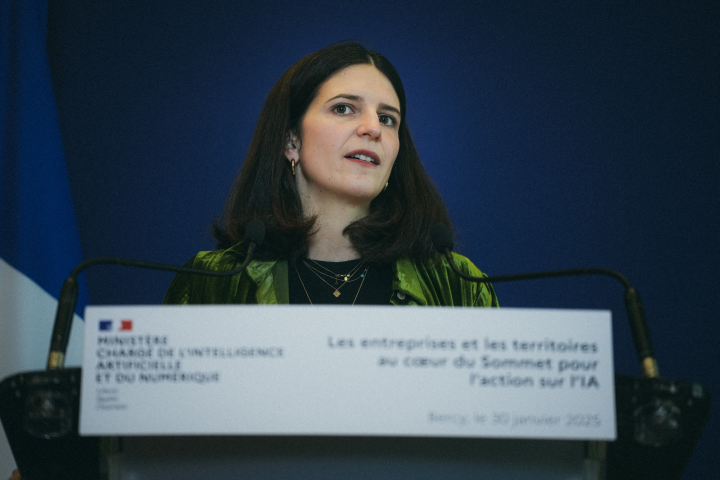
(407, 283)
(271, 278)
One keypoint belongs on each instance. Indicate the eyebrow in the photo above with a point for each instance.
(357, 98)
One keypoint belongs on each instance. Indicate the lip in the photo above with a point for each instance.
(367, 153)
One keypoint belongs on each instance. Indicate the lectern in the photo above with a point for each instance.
(293, 392)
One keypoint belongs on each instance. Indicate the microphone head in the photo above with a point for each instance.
(441, 237)
(254, 232)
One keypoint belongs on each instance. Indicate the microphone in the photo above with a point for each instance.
(254, 232)
(253, 237)
(442, 239)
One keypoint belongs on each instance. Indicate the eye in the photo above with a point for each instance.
(387, 120)
(343, 109)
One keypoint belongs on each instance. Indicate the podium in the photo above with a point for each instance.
(658, 420)
(67, 455)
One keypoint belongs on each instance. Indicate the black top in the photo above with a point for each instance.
(315, 279)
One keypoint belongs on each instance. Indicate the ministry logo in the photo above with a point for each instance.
(121, 326)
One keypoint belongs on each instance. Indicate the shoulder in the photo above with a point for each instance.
(483, 294)
(440, 266)
(188, 288)
(464, 265)
(433, 282)
(218, 260)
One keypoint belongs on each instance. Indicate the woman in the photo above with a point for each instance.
(333, 173)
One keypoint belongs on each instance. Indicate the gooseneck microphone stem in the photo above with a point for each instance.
(441, 236)
(633, 304)
(254, 235)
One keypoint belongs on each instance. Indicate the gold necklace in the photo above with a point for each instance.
(364, 274)
(347, 278)
(336, 288)
(335, 276)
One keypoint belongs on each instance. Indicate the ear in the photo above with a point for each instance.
(292, 148)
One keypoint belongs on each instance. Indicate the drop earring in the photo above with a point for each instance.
(386, 185)
(292, 162)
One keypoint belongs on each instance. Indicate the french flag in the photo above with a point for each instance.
(39, 243)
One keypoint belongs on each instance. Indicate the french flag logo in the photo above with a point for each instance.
(107, 326)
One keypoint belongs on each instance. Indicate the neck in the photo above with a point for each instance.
(328, 242)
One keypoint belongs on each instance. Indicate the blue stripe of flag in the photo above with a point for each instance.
(38, 230)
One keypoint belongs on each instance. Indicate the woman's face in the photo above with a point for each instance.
(348, 139)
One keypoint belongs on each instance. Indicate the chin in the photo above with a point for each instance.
(361, 190)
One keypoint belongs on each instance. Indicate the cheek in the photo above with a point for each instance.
(394, 149)
(318, 139)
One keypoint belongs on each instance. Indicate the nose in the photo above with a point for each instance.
(369, 126)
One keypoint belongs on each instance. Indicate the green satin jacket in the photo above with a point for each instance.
(266, 282)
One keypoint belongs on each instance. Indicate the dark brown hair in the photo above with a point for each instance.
(399, 219)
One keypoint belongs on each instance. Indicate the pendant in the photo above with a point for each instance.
(336, 293)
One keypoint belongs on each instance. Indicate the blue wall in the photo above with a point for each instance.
(561, 134)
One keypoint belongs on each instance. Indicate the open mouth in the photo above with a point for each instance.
(364, 158)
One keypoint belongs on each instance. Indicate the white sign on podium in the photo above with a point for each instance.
(293, 370)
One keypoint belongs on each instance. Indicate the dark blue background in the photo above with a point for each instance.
(561, 134)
